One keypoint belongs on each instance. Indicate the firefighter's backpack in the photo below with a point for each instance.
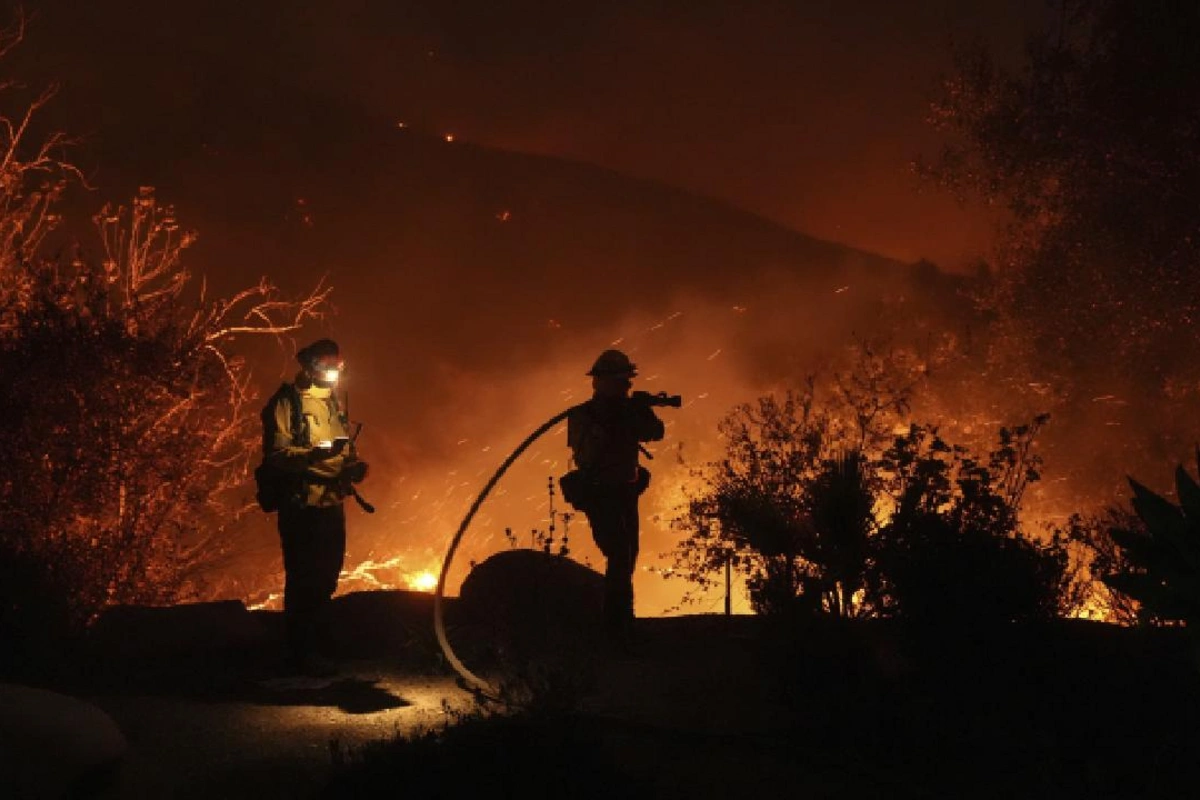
(275, 488)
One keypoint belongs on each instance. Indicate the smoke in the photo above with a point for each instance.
(715, 349)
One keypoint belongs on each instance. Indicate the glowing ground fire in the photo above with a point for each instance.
(423, 582)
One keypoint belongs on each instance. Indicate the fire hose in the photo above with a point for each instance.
(470, 679)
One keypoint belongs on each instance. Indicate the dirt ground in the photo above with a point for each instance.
(208, 713)
(709, 707)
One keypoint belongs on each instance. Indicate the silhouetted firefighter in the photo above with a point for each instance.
(605, 435)
(310, 466)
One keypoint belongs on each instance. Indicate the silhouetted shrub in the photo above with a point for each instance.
(922, 530)
(1162, 569)
(953, 549)
(936, 573)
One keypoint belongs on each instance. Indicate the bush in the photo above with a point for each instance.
(953, 549)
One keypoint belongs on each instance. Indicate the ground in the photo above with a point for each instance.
(708, 707)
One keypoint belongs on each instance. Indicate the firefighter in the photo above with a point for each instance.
(311, 446)
(605, 434)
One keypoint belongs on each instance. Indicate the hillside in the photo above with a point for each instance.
(473, 287)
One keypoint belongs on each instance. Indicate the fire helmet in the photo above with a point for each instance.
(613, 362)
(322, 348)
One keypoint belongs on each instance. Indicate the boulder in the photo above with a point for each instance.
(151, 631)
(531, 596)
(53, 745)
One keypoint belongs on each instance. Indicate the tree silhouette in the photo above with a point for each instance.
(1091, 147)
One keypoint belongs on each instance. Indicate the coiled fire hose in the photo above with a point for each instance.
(472, 680)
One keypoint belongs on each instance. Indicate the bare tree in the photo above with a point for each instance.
(129, 412)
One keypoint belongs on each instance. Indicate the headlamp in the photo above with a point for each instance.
(328, 371)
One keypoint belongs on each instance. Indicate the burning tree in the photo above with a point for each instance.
(129, 413)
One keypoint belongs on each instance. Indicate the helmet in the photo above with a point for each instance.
(322, 348)
(613, 362)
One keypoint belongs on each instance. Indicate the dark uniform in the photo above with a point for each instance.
(604, 434)
(312, 524)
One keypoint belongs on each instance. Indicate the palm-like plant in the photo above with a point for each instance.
(1164, 571)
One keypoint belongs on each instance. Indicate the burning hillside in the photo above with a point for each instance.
(473, 287)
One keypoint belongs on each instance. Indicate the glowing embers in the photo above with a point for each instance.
(388, 574)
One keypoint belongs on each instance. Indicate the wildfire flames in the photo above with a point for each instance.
(700, 353)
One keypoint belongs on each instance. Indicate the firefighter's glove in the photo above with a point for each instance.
(355, 471)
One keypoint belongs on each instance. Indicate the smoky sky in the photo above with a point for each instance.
(666, 177)
(808, 113)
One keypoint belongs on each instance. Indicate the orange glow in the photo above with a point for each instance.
(423, 582)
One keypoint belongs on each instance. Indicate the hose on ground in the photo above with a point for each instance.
(472, 680)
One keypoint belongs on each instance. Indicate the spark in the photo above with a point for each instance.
(714, 354)
(504, 216)
(739, 309)
(401, 125)
(839, 291)
(449, 137)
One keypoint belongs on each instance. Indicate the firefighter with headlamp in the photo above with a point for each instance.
(306, 439)
(605, 436)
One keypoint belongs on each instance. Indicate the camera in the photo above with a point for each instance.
(660, 399)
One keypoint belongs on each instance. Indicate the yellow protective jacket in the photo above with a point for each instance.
(290, 450)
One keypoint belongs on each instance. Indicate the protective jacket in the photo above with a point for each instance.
(604, 433)
(290, 450)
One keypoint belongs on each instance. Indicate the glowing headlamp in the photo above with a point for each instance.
(328, 370)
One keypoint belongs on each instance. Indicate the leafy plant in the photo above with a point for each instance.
(952, 549)
(1163, 572)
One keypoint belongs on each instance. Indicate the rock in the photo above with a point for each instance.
(52, 745)
(141, 631)
(530, 594)
(365, 624)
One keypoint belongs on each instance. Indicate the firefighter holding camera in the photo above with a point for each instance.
(605, 435)
(306, 443)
